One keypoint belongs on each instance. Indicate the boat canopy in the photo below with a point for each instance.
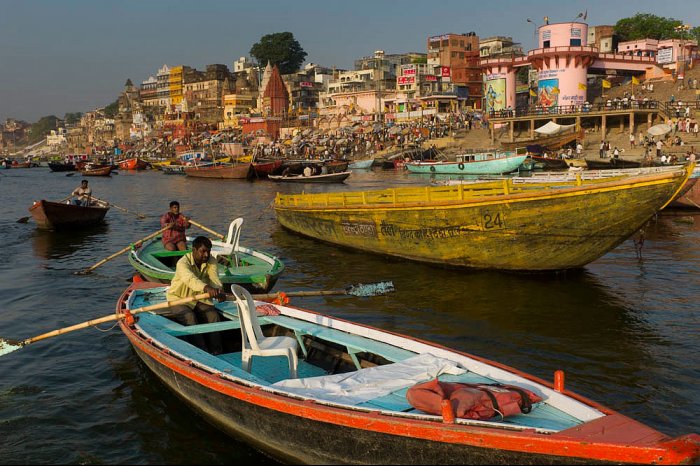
(551, 128)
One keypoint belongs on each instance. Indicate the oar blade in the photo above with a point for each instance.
(8, 346)
(23, 220)
(371, 289)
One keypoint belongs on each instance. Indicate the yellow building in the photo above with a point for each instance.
(235, 105)
(175, 85)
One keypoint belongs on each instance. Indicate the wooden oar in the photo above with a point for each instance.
(139, 215)
(106, 259)
(369, 289)
(26, 219)
(208, 230)
(8, 346)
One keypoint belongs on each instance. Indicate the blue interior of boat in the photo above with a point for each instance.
(269, 370)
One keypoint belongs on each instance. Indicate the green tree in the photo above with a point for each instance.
(648, 26)
(72, 118)
(42, 128)
(281, 49)
(112, 109)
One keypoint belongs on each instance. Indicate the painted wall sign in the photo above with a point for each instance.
(664, 56)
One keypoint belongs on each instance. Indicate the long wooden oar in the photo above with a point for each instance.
(26, 219)
(122, 251)
(369, 289)
(138, 214)
(8, 346)
(208, 230)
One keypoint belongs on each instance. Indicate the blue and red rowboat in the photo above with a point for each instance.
(348, 402)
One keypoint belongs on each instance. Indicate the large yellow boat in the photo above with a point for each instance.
(495, 225)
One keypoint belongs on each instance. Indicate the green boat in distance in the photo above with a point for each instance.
(484, 163)
(255, 270)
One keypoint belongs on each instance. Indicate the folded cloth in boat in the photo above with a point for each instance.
(373, 382)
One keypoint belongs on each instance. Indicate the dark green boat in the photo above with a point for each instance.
(254, 270)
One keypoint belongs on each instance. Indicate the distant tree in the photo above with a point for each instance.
(72, 118)
(648, 26)
(42, 128)
(281, 49)
(112, 109)
(420, 60)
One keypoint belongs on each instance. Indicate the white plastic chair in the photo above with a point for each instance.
(232, 240)
(254, 342)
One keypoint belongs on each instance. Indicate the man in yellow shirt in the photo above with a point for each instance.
(196, 272)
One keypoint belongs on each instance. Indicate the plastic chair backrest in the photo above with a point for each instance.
(251, 332)
(234, 233)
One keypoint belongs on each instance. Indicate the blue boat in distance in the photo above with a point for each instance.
(482, 163)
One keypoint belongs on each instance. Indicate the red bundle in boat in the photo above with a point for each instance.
(472, 401)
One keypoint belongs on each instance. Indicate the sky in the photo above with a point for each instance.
(60, 56)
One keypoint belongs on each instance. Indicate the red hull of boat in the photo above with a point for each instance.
(236, 172)
(133, 164)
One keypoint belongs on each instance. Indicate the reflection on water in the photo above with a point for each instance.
(59, 244)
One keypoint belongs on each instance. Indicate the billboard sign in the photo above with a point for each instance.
(664, 56)
(306, 84)
(408, 70)
(406, 80)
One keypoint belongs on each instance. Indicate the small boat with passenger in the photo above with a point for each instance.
(310, 388)
(50, 215)
(254, 269)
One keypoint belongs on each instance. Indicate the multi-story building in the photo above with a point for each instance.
(602, 37)
(305, 87)
(204, 92)
(175, 81)
(499, 47)
(457, 57)
(149, 92)
(163, 86)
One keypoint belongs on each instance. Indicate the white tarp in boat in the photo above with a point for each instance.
(551, 128)
(373, 382)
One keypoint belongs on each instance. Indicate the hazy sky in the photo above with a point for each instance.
(59, 56)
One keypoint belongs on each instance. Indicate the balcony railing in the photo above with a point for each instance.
(576, 109)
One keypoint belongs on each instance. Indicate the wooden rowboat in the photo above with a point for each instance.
(61, 216)
(98, 171)
(326, 178)
(251, 268)
(62, 167)
(507, 227)
(265, 168)
(133, 164)
(349, 403)
(236, 172)
(605, 164)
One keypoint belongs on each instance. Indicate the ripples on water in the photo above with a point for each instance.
(625, 331)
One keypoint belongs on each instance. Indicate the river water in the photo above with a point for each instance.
(625, 330)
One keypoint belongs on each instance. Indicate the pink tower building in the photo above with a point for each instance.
(562, 61)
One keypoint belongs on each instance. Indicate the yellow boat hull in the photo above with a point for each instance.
(528, 229)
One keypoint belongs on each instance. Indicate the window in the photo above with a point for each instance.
(545, 44)
(575, 42)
